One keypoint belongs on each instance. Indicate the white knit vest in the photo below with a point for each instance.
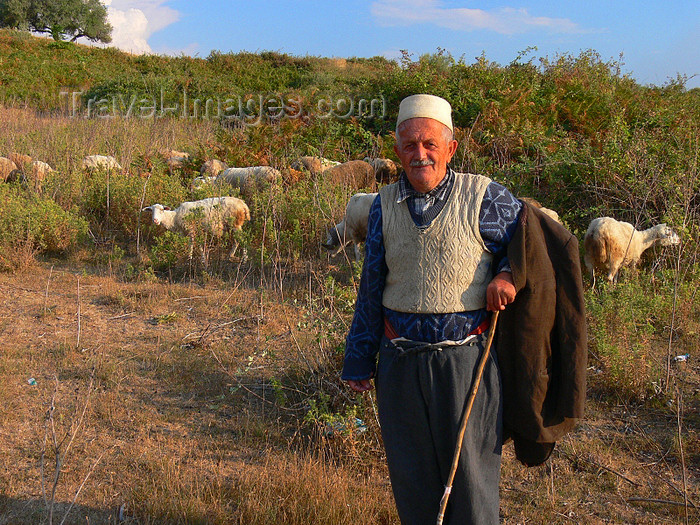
(443, 267)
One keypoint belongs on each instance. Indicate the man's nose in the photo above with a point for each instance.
(421, 152)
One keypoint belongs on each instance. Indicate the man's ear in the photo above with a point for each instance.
(452, 148)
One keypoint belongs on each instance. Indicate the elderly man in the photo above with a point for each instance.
(435, 239)
(434, 268)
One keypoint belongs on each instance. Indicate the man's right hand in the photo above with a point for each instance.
(361, 385)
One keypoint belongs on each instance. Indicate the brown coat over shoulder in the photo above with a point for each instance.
(542, 342)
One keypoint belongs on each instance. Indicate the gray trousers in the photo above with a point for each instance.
(421, 396)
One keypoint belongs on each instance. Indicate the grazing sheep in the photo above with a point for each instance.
(313, 165)
(249, 177)
(355, 174)
(290, 176)
(38, 171)
(20, 159)
(217, 215)
(175, 159)
(100, 162)
(610, 244)
(16, 176)
(200, 182)
(353, 227)
(550, 213)
(212, 168)
(385, 170)
(6, 167)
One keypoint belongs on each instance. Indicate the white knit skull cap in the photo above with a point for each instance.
(428, 106)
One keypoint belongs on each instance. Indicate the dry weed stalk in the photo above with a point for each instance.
(60, 450)
(46, 292)
(77, 342)
(679, 421)
(138, 220)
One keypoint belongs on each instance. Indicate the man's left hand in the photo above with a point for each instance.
(500, 292)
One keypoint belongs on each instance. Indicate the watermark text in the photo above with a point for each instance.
(245, 110)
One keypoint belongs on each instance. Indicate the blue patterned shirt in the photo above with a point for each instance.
(498, 219)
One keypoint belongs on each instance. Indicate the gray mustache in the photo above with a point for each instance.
(421, 163)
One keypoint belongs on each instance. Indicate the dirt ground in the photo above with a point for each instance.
(157, 403)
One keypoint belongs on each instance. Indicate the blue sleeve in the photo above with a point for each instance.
(498, 220)
(364, 338)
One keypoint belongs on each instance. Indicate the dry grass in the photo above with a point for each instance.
(187, 426)
(183, 413)
(63, 141)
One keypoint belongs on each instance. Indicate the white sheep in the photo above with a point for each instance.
(248, 177)
(215, 214)
(200, 182)
(610, 244)
(100, 162)
(353, 227)
(385, 170)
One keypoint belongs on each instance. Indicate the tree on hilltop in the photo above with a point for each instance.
(62, 19)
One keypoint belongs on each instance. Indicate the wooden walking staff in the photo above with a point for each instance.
(465, 418)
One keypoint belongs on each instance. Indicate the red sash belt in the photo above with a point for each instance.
(390, 332)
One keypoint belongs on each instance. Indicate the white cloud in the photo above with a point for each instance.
(504, 20)
(134, 21)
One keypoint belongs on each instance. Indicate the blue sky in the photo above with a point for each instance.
(658, 40)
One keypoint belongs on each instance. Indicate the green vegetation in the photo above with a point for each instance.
(62, 19)
(32, 224)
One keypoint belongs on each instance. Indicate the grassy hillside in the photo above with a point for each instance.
(206, 390)
(569, 130)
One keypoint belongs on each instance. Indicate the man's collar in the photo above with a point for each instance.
(405, 190)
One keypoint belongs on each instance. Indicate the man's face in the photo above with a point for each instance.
(424, 152)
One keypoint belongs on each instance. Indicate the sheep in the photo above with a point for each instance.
(355, 174)
(200, 182)
(20, 159)
(6, 167)
(610, 244)
(290, 176)
(550, 213)
(36, 175)
(175, 159)
(385, 170)
(38, 171)
(17, 176)
(353, 227)
(313, 165)
(100, 162)
(218, 215)
(249, 177)
(212, 168)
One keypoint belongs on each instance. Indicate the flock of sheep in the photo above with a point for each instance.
(609, 244)
(217, 214)
(22, 168)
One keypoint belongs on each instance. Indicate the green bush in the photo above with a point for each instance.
(112, 201)
(170, 250)
(37, 222)
(627, 324)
